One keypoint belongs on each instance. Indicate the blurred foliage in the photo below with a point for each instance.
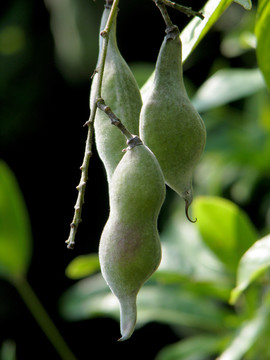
(15, 233)
(194, 284)
(263, 41)
(8, 350)
(75, 32)
(15, 256)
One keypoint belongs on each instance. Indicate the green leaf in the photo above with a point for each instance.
(187, 260)
(185, 253)
(217, 289)
(82, 266)
(90, 297)
(8, 350)
(263, 40)
(227, 85)
(75, 53)
(246, 336)
(247, 4)
(172, 305)
(15, 233)
(225, 228)
(199, 347)
(177, 306)
(141, 71)
(195, 31)
(252, 265)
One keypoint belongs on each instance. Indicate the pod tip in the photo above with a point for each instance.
(188, 197)
(128, 316)
(123, 338)
(187, 214)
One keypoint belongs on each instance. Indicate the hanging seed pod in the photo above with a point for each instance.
(121, 92)
(130, 249)
(169, 124)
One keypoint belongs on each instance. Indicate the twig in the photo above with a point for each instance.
(81, 188)
(186, 10)
(90, 123)
(114, 119)
(132, 140)
(160, 4)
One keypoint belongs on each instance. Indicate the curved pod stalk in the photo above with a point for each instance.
(169, 124)
(130, 249)
(121, 92)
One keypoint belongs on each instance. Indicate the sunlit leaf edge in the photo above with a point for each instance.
(194, 32)
(203, 199)
(245, 279)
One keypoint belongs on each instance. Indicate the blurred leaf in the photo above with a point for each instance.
(252, 265)
(237, 43)
(247, 4)
(245, 337)
(88, 298)
(219, 289)
(75, 31)
(263, 40)
(176, 306)
(12, 40)
(188, 262)
(184, 252)
(141, 71)
(15, 233)
(238, 144)
(82, 266)
(225, 228)
(199, 347)
(8, 350)
(227, 85)
(167, 304)
(194, 32)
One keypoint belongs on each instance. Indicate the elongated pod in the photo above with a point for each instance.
(130, 249)
(169, 124)
(121, 93)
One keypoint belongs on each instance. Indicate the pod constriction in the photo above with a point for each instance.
(121, 93)
(130, 249)
(169, 123)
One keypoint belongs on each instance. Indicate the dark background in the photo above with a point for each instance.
(42, 139)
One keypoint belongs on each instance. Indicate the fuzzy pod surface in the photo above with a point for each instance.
(169, 123)
(130, 248)
(121, 93)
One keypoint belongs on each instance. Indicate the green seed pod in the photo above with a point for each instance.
(121, 93)
(169, 124)
(130, 249)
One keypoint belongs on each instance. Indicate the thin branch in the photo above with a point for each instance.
(42, 318)
(186, 10)
(81, 188)
(90, 123)
(112, 16)
(114, 119)
(132, 140)
(160, 4)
